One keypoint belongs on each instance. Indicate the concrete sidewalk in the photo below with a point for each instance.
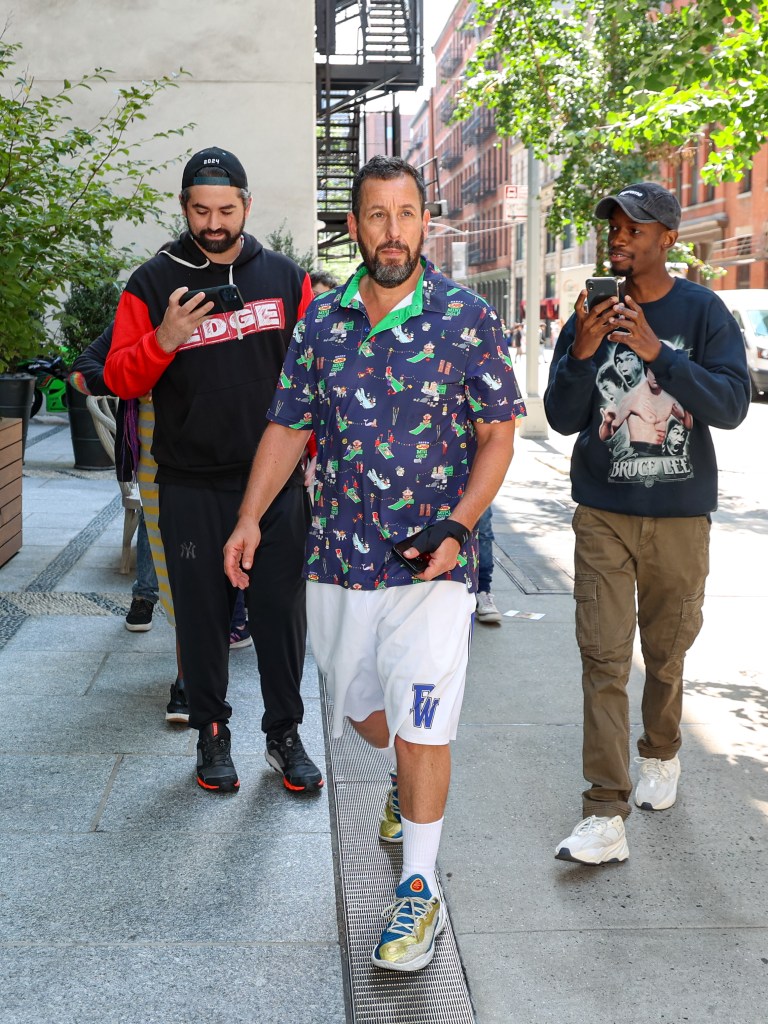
(680, 931)
(129, 895)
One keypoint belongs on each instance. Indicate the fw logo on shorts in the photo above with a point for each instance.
(424, 706)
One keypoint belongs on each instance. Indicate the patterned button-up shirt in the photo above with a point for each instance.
(393, 408)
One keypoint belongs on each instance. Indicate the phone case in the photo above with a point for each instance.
(226, 298)
(599, 289)
(414, 565)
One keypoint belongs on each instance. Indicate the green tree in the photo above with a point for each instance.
(281, 240)
(705, 77)
(604, 89)
(62, 189)
(85, 314)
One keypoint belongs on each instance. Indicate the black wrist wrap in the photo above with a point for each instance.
(433, 536)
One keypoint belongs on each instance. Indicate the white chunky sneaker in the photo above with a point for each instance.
(485, 608)
(656, 787)
(595, 841)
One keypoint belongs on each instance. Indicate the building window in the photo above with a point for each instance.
(568, 236)
(520, 241)
(550, 285)
(745, 185)
(551, 242)
(742, 275)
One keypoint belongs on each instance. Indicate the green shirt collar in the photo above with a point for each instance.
(396, 316)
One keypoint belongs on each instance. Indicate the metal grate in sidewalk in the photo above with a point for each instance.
(368, 872)
(535, 574)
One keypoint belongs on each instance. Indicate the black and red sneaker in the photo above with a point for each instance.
(288, 757)
(215, 770)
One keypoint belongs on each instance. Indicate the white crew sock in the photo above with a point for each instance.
(420, 845)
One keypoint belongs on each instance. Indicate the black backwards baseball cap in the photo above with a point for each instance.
(643, 203)
(198, 167)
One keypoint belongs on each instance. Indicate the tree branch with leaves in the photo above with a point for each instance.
(63, 187)
(605, 89)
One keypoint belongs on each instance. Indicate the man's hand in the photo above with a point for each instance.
(181, 322)
(309, 472)
(239, 551)
(591, 326)
(443, 557)
(441, 560)
(634, 331)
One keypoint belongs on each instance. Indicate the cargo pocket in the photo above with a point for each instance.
(689, 626)
(587, 625)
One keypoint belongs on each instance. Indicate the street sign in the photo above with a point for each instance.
(515, 202)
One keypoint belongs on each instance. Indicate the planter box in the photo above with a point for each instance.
(10, 488)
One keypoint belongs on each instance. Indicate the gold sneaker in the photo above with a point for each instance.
(414, 921)
(390, 826)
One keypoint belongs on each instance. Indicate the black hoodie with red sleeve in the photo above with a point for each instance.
(212, 394)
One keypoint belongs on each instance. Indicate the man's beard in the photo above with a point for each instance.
(216, 245)
(621, 273)
(390, 275)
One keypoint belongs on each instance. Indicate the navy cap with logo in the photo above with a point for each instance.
(199, 167)
(643, 203)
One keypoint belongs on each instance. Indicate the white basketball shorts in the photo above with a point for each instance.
(401, 650)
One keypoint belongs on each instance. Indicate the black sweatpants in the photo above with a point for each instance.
(195, 523)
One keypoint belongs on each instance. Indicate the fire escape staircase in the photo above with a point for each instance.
(386, 57)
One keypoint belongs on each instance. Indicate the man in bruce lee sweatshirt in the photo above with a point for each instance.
(641, 379)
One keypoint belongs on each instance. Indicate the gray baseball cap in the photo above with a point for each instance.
(644, 203)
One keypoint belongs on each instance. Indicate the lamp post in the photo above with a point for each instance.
(535, 423)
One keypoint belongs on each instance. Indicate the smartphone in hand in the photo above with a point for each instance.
(226, 298)
(413, 565)
(601, 288)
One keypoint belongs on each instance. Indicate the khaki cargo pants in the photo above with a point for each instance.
(649, 572)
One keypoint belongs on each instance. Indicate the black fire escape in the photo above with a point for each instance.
(366, 49)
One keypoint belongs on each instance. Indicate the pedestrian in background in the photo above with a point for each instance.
(322, 282)
(135, 419)
(485, 607)
(517, 341)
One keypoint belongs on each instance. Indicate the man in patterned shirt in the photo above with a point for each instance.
(409, 449)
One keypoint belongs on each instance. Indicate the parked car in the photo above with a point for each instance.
(750, 310)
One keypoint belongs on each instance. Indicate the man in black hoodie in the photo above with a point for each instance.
(212, 378)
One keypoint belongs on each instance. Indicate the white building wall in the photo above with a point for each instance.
(250, 88)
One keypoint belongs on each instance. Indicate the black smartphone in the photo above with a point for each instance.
(226, 298)
(601, 288)
(413, 565)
